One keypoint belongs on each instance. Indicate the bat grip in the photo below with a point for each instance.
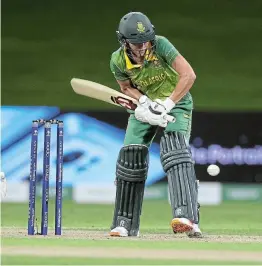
(170, 118)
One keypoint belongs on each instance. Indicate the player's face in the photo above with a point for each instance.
(139, 49)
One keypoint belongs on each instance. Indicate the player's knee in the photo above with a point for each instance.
(174, 150)
(132, 163)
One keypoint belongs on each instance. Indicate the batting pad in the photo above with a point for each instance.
(131, 174)
(178, 164)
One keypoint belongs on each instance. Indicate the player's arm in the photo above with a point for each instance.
(126, 85)
(123, 80)
(126, 88)
(187, 78)
(186, 74)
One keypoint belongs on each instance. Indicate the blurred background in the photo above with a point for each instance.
(47, 43)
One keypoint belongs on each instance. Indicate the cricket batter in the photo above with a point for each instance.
(150, 69)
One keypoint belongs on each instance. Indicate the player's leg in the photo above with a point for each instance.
(138, 132)
(131, 174)
(177, 162)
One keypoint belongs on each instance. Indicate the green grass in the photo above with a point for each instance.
(180, 245)
(228, 218)
(25, 260)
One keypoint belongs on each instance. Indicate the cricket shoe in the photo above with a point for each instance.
(181, 225)
(195, 232)
(119, 231)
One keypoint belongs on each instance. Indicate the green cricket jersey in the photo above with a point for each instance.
(156, 78)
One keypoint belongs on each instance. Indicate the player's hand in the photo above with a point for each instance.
(163, 106)
(148, 115)
(145, 101)
(140, 111)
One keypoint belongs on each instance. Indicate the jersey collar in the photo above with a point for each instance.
(129, 65)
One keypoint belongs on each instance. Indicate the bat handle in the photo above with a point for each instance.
(170, 118)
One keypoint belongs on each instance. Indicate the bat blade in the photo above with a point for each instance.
(100, 92)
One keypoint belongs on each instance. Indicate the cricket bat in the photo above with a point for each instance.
(100, 92)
